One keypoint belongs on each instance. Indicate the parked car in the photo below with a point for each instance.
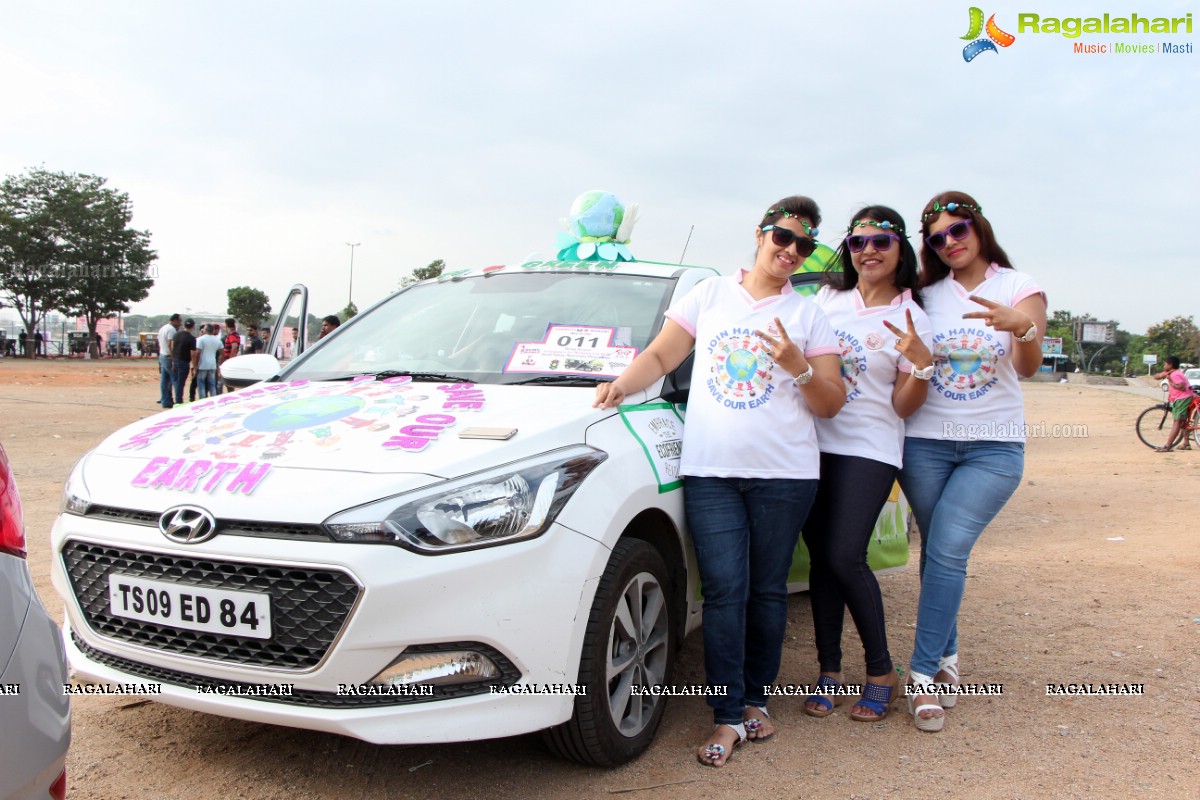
(418, 531)
(35, 712)
(1193, 376)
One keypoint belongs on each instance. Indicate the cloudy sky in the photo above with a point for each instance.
(257, 138)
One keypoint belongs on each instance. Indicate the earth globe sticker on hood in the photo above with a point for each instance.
(598, 229)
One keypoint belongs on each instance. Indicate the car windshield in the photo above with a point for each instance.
(506, 327)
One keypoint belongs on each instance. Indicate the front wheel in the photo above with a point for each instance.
(1154, 425)
(629, 644)
(1195, 426)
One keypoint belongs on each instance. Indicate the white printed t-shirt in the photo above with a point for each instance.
(745, 416)
(868, 426)
(974, 394)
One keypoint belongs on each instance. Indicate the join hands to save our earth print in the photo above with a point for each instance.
(909, 344)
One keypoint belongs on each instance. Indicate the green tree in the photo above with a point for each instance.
(32, 211)
(107, 262)
(346, 313)
(248, 306)
(432, 270)
(1177, 336)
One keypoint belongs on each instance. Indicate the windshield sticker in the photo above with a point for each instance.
(658, 428)
(573, 350)
(229, 442)
(548, 266)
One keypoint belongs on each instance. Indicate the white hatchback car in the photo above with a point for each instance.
(418, 531)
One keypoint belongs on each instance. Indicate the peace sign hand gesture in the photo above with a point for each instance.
(1002, 318)
(784, 350)
(909, 344)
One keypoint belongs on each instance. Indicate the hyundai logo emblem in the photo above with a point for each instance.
(187, 525)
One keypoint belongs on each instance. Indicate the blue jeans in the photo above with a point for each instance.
(745, 532)
(179, 373)
(955, 489)
(166, 380)
(206, 383)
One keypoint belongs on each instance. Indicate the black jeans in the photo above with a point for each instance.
(850, 496)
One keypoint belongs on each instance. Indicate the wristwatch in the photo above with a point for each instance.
(803, 377)
(923, 374)
(1029, 335)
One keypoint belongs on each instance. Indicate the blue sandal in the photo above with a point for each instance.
(826, 701)
(876, 698)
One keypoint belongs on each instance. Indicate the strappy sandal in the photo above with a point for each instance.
(756, 725)
(927, 724)
(876, 698)
(714, 755)
(826, 701)
(949, 665)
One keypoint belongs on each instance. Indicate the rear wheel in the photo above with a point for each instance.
(1195, 425)
(1154, 425)
(629, 643)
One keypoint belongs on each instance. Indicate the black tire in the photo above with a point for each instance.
(610, 726)
(1154, 425)
(1195, 423)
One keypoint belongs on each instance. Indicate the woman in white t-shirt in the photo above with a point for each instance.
(964, 450)
(766, 364)
(868, 297)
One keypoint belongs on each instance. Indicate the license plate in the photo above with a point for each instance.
(196, 608)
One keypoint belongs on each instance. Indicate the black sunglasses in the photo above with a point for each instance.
(958, 231)
(882, 242)
(783, 237)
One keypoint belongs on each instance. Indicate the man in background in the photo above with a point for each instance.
(253, 343)
(328, 325)
(166, 334)
(204, 359)
(182, 348)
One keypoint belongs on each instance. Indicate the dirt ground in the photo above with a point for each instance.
(1090, 574)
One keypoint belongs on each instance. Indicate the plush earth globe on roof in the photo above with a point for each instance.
(598, 229)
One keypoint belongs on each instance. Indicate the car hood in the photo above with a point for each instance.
(289, 450)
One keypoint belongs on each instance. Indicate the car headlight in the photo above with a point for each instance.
(75, 497)
(507, 504)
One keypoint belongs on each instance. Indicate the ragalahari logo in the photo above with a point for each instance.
(995, 36)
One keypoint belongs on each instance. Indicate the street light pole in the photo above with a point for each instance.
(350, 298)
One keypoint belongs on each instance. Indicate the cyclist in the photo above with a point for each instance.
(1179, 395)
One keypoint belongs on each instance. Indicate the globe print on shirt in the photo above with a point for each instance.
(966, 362)
(740, 369)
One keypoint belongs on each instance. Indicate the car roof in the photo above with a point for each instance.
(648, 269)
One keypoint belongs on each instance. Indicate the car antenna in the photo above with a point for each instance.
(685, 244)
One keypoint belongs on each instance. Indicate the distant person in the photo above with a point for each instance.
(182, 348)
(99, 346)
(328, 325)
(264, 333)
(1179, 395)
(41, 344)
(254, 344)
(204, 360)
(166, 335)
(23, 338)
(233, 345)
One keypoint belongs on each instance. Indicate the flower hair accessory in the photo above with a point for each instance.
(885, 225)
(951, 207)
(813, 232)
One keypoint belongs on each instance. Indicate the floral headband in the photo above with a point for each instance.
(951, 207)
(789, 215)
(885, 225)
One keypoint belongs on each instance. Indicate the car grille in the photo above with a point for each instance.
(299, 697)
(225, 527)
(309, 607)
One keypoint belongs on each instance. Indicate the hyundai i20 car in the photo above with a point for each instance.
(420, 530)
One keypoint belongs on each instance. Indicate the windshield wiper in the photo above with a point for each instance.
(416, 376)
(562, 380)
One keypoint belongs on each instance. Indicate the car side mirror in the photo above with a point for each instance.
(678, 382)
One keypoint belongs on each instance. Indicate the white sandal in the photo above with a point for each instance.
(713, 753)
(927, 724)
(949, 665)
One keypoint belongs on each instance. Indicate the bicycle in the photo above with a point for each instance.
(1155, 423)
